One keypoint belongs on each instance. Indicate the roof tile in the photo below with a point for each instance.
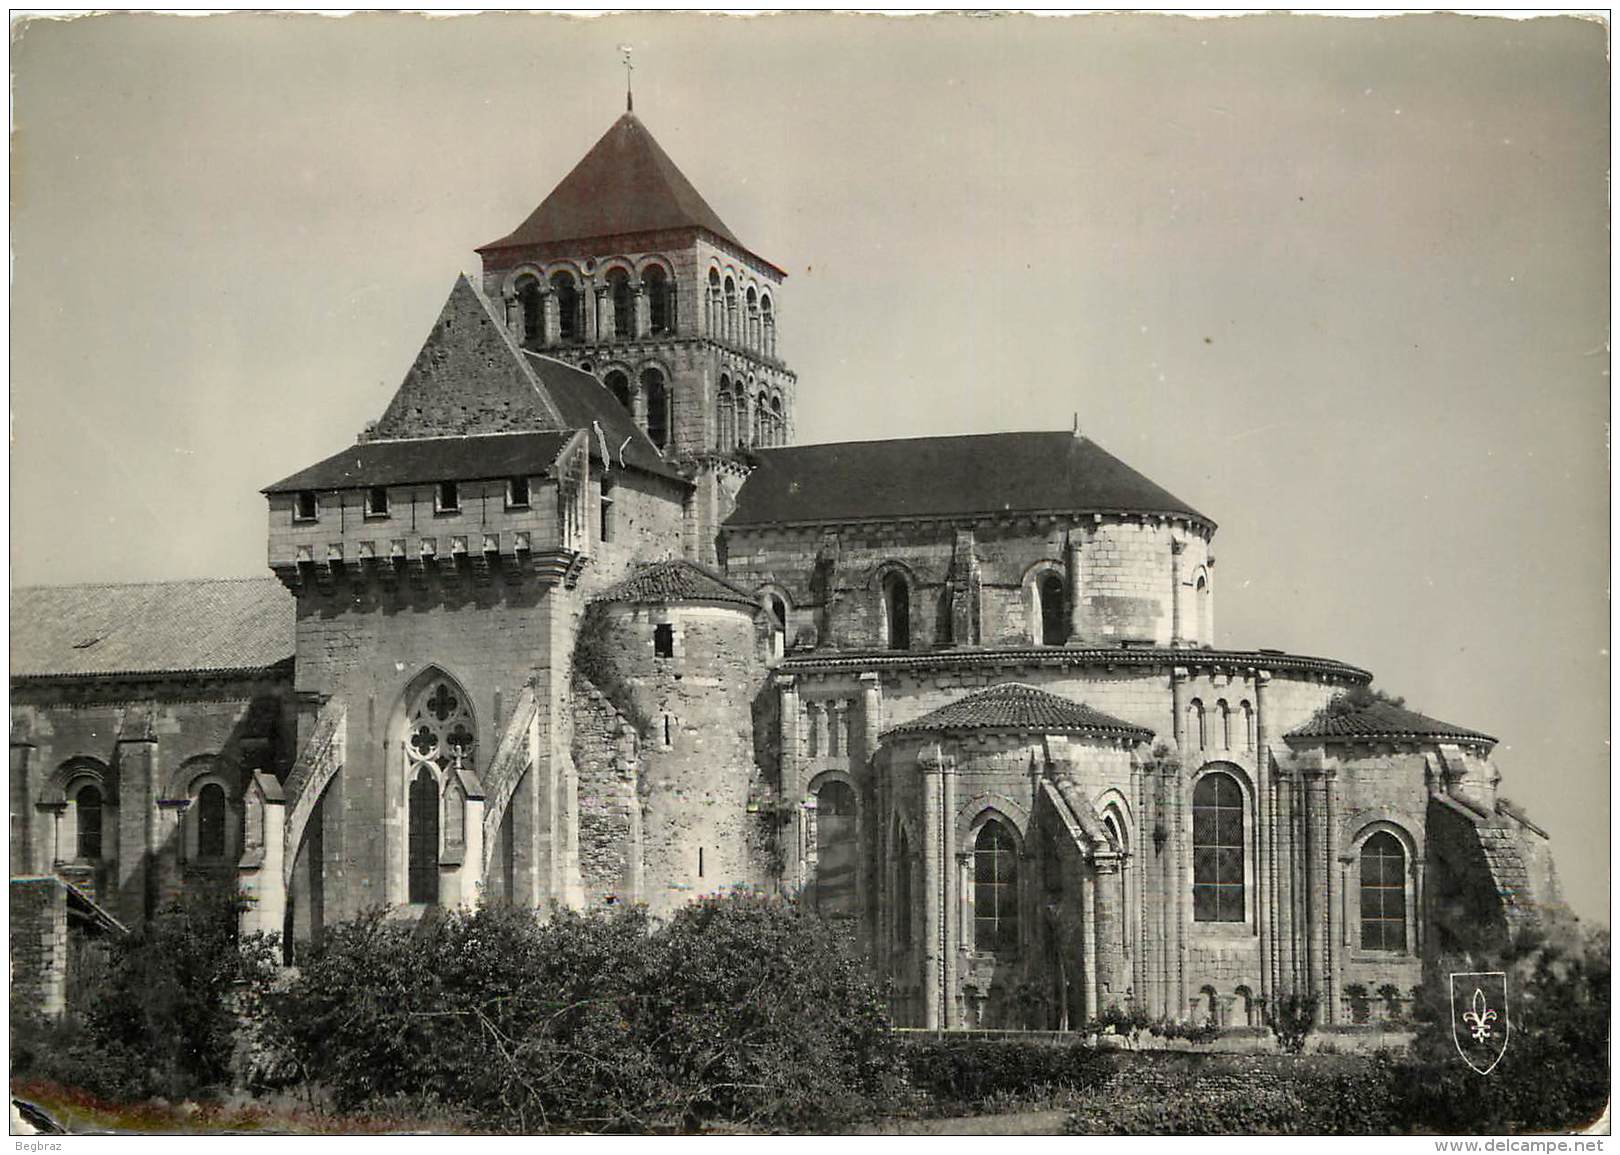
(1016, 706)
(213, 625)
(677, 580)
(1383, 720)
(941, 476)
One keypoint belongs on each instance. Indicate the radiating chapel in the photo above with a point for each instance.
(577, 622)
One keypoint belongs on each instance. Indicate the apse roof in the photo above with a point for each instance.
(214, 625)
(982, 473)
(625, 184)
(1383, 720)
(1016, 706)
(677, 580)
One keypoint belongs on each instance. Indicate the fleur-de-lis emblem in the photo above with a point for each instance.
(1480, 1018)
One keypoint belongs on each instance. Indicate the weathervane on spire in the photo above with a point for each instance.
(629, 97)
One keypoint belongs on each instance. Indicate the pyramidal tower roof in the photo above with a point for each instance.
(625, 184)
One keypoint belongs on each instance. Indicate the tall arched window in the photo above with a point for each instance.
(712, 322)
(1248, 724)
(1053, 630)
(1201, 603)
(730, 321)
(995, 889)
(439, 733)
(778, 423)
(660, 300)
(87, 811)
(837, 854)
(762, 421)
(424, 837)
(658, 415)
(211, 821)
(1195, 723)
(1383, 893)
(534, 313)
(902, 891)
(725, 418)
(570, 320)
(751, 305)
(619, 385)
(897, 611)
(1225, 712)
(624, 305)
(769, 319)
(1217, 814)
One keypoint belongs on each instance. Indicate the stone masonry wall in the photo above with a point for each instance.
(39, 944)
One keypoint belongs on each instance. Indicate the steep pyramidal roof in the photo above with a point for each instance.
(1384, 720)
(215, 625)
(942, 476)
(475, 406)
(625, 184)
(677, 580)
(468, 378)
(1015, 706)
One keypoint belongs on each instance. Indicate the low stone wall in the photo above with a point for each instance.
(39, 944)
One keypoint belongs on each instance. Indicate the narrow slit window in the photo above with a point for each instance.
(700, 862)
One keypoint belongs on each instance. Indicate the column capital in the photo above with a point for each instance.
(785, 681)
(1180, 673)
(1177, 545)
(871, 680)
(1262, 677)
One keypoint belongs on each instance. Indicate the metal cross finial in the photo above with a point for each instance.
(629, 97)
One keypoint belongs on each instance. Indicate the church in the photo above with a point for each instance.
(576, 621)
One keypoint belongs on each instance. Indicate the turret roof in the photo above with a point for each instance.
(677, 580)
(1016, 706)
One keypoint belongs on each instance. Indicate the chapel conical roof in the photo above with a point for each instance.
(625, 184)
(1014, 706)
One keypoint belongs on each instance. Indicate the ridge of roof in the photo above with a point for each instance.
(1020, 706)
(675, 580)
(1382, 720)
(980, 474)
(583, 400)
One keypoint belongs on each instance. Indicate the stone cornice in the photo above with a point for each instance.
(1158, 657)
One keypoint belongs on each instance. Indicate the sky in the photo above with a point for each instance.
(1342, 284)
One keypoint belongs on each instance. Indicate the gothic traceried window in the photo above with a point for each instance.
(1218, 883)
(440, 732)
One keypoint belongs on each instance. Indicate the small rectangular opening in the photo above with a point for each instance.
(517, 493)
(377, 501)
(700, 862)
(447, 499)
(664, 641)
(305, 507)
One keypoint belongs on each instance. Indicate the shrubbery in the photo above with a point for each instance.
(966, 1072)
(163, 1020)
(739, 1010)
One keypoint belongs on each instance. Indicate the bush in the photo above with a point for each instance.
(965, 1073)
(164, 1016)
(1555, 1072)
(739, 1010)
(1291, 1020)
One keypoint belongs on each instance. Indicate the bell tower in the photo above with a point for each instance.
(626, 272)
